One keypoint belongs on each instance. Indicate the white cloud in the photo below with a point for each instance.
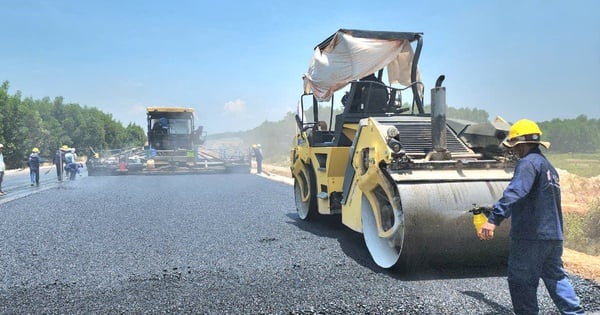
(237, 106)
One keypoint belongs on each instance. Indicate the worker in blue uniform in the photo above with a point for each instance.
(533, 200)
(257, 152)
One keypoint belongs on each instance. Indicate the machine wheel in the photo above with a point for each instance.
(305, 196)
(383, 251)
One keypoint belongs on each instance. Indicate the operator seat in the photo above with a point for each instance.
(375, 98)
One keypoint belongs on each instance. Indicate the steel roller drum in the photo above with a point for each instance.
(436, 227)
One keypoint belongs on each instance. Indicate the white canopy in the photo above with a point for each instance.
(346, 58)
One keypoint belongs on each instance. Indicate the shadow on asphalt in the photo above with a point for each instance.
(498, 309)
(353, 245)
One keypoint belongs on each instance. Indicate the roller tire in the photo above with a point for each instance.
(306, 206)
(384, 254)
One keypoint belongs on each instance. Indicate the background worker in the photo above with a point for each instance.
(2, 168)
(70, 163)
(34, 162)
(256, 149)
(533, 199)
(59, 159)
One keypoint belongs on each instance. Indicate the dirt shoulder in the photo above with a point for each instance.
(578, 193)
(586, 266)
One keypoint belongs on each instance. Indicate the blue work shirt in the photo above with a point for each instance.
(533, 199)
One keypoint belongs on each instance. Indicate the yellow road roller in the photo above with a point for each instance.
(407, 179)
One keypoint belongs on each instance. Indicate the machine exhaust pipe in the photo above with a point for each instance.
(438, 122)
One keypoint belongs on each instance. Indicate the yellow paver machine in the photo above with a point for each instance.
(175, 146)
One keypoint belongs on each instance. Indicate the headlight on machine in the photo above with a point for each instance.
(394, 145)
(392, 140)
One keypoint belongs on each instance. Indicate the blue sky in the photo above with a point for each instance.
(239, 63)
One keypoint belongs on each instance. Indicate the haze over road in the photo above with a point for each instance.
(212, 244)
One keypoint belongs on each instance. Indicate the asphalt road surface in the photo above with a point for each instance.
(211, 244)
(17, 183)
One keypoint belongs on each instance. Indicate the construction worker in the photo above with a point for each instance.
(256, 149)
(533, 200)
(2, 169)
(59, 159)
(34, 162)
(71, 167)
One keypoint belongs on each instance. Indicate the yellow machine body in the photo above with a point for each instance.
(408, 217)
(404, 178)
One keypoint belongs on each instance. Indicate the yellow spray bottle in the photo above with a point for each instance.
(480, 215)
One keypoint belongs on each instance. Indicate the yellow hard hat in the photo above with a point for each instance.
(64, 147)
(524, 131)
(254, 146)
(35, 150)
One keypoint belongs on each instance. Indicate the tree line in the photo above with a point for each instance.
(47, 124)
(581, 134)
(578, 135)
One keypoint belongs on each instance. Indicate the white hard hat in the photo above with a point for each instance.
(1, 145)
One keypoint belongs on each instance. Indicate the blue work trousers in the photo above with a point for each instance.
(527, 263)
(258, 166)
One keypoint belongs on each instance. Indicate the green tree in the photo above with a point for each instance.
(465, 113)
(46, 124)
(14, 131)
